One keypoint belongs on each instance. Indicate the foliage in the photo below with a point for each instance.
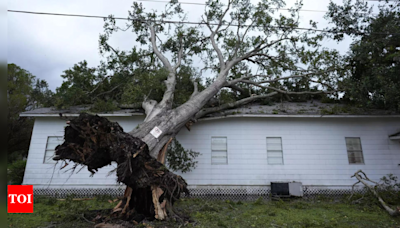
(24, 92)
(388, 189)
(151, 85)
(217, 213)
(180, 159)
(374, 57)
(79, 86)
(84, 85)
(16, 171)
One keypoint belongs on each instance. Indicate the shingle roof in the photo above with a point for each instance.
(309, 108)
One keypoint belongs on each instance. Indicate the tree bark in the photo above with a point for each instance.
(96, 142)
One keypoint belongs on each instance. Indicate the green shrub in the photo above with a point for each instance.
(15, 172)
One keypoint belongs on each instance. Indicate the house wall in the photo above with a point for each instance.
(314, 152)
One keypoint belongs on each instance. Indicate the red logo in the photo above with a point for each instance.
(20, 199)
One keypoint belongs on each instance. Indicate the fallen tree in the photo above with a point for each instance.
(252, 51)
(362, 178)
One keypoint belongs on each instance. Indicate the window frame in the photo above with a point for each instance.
(226, 151)
(355, 151)
(272, 151)
(46, 150)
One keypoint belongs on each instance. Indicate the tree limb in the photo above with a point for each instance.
(212, 37)
(163, 59)
(170, 83)
(241, 102)
(180, 53)
(235, 87)
(243, 79)
(195, 90)
(364, 180)
(98, 85)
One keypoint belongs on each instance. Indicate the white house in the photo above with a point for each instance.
(245, 148)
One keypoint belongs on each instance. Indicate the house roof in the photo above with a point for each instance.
(75, 111)
(283, 109)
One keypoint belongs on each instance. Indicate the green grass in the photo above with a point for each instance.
(294, 213)
(68, 213)
(286, 214)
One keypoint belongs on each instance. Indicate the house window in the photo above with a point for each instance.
(52, 142)
(219, 150)
(274, 151)
(354, 150)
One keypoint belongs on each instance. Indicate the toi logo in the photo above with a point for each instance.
(20, 199)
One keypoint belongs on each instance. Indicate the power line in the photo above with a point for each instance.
(203, 4)
(177, 22)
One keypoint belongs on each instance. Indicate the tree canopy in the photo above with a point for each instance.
(374, 57)
(24, 92)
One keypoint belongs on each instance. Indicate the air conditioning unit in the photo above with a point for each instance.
(286, 189)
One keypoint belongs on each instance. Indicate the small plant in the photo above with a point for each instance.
(259, 201)
(275, 111)
(178, 158)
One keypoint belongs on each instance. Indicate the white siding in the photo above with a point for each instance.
(314, 152)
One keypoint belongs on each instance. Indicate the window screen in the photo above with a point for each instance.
(219, 150)
(354, 150)
(52, 142)
(274, 151)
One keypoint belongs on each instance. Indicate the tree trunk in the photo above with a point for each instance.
(96, 142)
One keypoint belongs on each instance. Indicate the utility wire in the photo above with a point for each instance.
(203, 4)
(180, 22)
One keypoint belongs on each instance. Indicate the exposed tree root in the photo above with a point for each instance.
(362, 178)
(96, 142)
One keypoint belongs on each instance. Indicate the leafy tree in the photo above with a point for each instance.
(374, 56)
(24, 92)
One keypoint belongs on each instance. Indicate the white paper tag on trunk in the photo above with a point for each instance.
(156, 132)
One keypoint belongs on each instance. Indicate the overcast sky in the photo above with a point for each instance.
(48, 45)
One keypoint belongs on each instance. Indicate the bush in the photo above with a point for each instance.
(15, 172)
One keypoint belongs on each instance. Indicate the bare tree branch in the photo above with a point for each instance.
(195, 90)
(212, 37)
(287, 92)
(163, 59)
(235, 87)
(111, 90)
(98, 84)
(244, 79)
(180, 53)
(238, 103)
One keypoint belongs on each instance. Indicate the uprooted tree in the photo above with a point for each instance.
(244, 47)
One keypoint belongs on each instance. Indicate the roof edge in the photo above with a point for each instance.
(222, 117)
(76, 114)
(300, 116)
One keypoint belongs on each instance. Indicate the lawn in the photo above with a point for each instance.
(294, 213)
